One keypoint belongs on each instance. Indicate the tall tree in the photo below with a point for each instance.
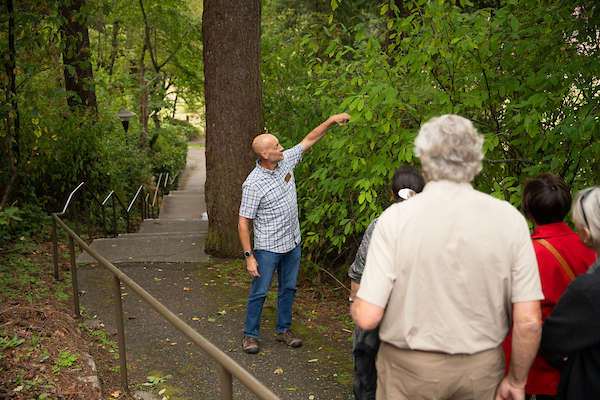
(234, 112)
(12, 113)
(77, 56)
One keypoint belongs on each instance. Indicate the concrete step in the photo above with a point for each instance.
(167, 234)
(189, 206)
(157, 248)
(169, 226)
(185, 193)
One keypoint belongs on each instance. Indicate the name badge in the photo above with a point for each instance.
(288, 177)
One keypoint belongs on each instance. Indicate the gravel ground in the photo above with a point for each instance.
(214, 306)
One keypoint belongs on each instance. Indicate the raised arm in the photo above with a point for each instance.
(317, 134)
(527, 333)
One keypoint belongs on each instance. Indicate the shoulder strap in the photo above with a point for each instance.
(558, 257)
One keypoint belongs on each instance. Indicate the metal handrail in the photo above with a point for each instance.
(70, 197)
(174, 177)
(114, 196)
(156, 190)
(112, 192)
(229, 367)
(135, 197)
(145, 209)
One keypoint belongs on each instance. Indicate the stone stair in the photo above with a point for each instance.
(177, 235)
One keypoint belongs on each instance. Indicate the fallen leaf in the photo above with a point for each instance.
(187, 288)
(278, 371)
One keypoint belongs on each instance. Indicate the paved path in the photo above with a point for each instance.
(178, 234)
(167, 259)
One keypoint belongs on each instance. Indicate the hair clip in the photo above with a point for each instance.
(406, 193)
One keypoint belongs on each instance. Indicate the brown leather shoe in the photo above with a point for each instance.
(250, 345)
(288, 338)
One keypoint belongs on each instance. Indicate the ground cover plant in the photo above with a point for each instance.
(45, 351)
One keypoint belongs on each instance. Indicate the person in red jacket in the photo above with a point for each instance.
(545, 202)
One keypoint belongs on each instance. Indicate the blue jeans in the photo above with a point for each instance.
(286, 265)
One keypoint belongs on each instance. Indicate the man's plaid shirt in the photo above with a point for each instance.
(271, 203)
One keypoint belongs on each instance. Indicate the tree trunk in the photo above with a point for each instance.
(76, 55)
(12, 113)
(234, 113)
(143, 134)
(113, 49)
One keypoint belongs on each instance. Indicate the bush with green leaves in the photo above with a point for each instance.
(190, 131)
(525, 73)
(28, 223)
(170, 151)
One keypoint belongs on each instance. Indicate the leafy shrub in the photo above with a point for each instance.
(29, 222)
(522, 84)
(170, 151)
(190, 131)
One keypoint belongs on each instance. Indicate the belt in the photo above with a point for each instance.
(430, 351)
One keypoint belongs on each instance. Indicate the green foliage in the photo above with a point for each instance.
(190, 131)
(525, 73)
(66, 359)
(11, 343)
(170, 151)
(55, 147)
(7, 215)
(26, 224)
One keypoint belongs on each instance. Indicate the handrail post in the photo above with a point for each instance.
(226, 384)
(115, 231)
(75, 219)
(55, 248)
(104, 221)
(74, 277)
(120, 332)
(142, 206)
(87, 212)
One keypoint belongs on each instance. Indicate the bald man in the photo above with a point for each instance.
(269, 201)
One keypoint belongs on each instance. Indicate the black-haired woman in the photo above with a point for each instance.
(561, 256)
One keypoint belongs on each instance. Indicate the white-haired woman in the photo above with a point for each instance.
(572, 332)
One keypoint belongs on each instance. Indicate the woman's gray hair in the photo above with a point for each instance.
(588, 209)
(449, 148)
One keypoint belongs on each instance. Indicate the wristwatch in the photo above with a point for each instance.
(247, 254)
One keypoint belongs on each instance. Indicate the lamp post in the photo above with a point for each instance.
(124, 115)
